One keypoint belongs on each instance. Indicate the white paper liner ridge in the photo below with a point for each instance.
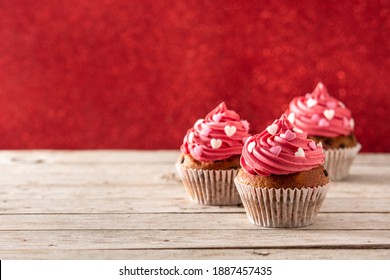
(338, 161)
(210, 187)
(269, 207)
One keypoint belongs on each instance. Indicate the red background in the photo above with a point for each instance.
(137, 74)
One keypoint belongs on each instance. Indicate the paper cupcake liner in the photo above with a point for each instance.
(339, 161)
(288, 208)
(210, 187)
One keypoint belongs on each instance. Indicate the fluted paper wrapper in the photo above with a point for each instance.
(339, 161)
(288, 208)
(210, 187)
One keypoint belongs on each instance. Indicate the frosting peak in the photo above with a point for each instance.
(218, 136)
(320, 92)
(280, 149)
(320, 114)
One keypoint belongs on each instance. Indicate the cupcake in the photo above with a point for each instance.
(326, 120)
(282, 182)
(210, 157)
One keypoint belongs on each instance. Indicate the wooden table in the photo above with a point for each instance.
(131, 205)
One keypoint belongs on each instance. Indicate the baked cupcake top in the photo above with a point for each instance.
(280, 149)
(320, 114)
(220, 135)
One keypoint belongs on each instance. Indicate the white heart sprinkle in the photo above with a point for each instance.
(198, 122)
(352, 123)
(217, 117)
(216, 143)
(272, 129)
(296, 129)
(300, 153)
(191, 137)
(319, 144)
(291, 117)
(251, 146)
(329, 113)
(311, 102)
(230, 130)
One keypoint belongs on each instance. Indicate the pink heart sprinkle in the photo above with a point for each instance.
(315, 117)
(331, 104)
(198, 150)
(346, 122)
(205, 130)
(245, 124)
(323, 122)
(275, 150)
(288, 135)
(312, 145)
(217, 117)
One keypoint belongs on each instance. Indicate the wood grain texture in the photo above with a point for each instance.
(131, 205)
(200, 254)
(185, 221)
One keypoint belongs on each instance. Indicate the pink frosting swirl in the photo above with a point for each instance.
(220, 135)
(320, 114)
(280, 149)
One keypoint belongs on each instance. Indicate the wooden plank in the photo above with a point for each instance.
(88, 156)
(159, 198)
(200, 254)
(90, 174)
(369, 177)
(119, 191)
(138, 174)
(172, 204)
(207, 221)
(188, 239)
(372, 159)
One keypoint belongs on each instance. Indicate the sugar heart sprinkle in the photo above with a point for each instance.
(329, 114)
(216, 143)
(205, 131)
(288, 135)
(311, 102)
(291, 117)
(323, 122)
(275, 150)
(230, 130)
(245, 124)
(331, 104)
(300, 153)
(315, 117)
(272, 129)
(251, 146)
(198, 150)
(312, 145)
(217, 117)
(191, 136)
